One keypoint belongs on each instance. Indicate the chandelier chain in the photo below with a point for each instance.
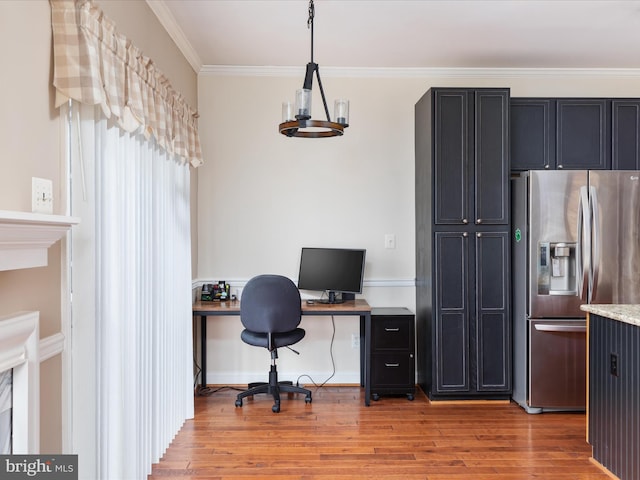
(312, 13)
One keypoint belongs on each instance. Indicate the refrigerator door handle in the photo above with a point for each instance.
(595, 255)
(583, 250)
(543, 327)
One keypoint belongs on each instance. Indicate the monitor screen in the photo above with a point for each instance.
(332, 270)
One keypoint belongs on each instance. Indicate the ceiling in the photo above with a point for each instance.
(407, 33)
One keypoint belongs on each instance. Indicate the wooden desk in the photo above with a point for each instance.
(358, 307)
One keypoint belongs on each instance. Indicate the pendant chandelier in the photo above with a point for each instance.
(296, 119)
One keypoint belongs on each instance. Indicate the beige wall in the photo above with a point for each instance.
(31, 139)
(263, 196)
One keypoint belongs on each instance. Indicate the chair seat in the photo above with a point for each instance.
(279, 339)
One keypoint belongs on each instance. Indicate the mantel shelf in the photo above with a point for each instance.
(25, 237)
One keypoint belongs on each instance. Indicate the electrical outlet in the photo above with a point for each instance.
(613, 364)
(41, 195)
(355, 340)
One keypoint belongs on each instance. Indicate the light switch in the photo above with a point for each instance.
(390, 240)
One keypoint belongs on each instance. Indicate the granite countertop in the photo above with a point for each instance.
(623, 313)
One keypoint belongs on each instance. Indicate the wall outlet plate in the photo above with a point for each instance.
(41, 195)
(390, 240)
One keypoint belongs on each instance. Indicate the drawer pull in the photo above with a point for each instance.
(387, 329)
(391, 364)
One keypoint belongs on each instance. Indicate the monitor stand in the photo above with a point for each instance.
(333, 298)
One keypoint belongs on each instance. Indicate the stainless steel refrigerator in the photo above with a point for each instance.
(576, 240)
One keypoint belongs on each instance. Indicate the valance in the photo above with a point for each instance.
(96, 65)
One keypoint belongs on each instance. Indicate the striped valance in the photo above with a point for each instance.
(94, 64)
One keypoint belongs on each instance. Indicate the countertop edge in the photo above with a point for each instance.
(623, 313)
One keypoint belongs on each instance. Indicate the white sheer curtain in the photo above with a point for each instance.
(132, 267)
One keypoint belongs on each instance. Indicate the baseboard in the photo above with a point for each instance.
(469, 402)
(339, 378)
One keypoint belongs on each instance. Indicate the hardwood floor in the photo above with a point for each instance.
(337, 437)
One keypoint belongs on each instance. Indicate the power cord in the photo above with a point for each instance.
(206, 391)
(333, 361)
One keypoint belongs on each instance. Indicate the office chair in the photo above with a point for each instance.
(271, 311)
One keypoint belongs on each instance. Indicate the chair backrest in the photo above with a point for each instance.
(270, 303)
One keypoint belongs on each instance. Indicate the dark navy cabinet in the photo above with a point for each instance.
(462, 243)
(471, 168)
(472, 326)
(625, 134)
(583, 134)
(613, 410)
(533, 134)
(560, 133)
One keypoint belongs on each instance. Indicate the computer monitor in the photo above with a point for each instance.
(332, 270)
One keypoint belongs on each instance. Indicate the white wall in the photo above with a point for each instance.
(263, 196)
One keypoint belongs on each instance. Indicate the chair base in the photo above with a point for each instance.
(274, 388)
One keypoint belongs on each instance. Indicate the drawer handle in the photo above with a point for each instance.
(391, 364)
(387, 329)
(560, 328)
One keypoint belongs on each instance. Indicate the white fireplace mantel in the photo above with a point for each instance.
(25, 237)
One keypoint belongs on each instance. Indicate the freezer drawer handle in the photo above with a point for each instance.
(387, 329)
(391, 364)
(543, 327)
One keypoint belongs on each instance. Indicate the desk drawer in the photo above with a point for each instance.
(392, 370)
(392, 333)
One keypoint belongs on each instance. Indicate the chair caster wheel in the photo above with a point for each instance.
(410, 397)
(375, 397)
(307, 399)
(275, 408)
(239, 403)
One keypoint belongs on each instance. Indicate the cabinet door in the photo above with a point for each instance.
(533, 134)
(492, 325)
(451, 156)
(583, 134)
(451, 335)
(625, 135)
(491, 157)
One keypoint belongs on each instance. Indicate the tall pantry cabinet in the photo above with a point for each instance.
(462, 243)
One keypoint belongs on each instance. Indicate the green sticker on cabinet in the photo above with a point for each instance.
(518, 235)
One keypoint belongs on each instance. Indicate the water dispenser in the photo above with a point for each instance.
(557, 268)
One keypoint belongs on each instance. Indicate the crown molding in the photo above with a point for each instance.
(168, 21)
(375, 72)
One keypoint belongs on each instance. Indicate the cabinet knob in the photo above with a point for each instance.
(479, 221)
(546, 167)
(479, 234)
(465, 234)
(465, 221)
(560, 167)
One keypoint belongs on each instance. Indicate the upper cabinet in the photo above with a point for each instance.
(564, 133)
(533, 134)
(625, 138)
(583, 134)
(471, 167)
